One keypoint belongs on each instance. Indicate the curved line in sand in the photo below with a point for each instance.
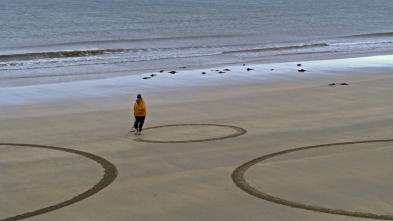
(240, 181)
(110, 174)
(239, 131)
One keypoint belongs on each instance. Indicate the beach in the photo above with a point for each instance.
(256, 110)
(199, 129)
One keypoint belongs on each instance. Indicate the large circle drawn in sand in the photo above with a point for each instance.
(110, 174)
(239, 179)
(188, 133)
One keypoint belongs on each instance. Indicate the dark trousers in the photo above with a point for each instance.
(139, 123)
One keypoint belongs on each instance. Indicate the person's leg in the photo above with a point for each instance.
(141, 122)
(136, 123)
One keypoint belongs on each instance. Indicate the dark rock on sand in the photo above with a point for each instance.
(299, 65)
(153, 75)
(249, 69)
(172, 72)
(203, 72)
(146, 78)
(301, 70)
(332, 84)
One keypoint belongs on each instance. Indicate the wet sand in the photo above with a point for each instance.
(193, 180)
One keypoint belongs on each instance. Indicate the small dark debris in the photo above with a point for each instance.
(172, 72)
(227, 69)
(146, 78)
(301, 70)
(299, 65)
(161, 71)
(203, 72)
(221, 72)
(332, 84)
(153, 75)
(249, 69)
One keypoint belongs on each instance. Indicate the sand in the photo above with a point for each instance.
(175, 179)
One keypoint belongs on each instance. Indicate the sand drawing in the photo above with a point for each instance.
(241, 182)
(238, 176)
(110, 171)
(237, 132)
(110, 174)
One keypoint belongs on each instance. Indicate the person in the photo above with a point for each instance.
(140, 114)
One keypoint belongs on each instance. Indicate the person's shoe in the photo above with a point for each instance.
(139, 133)
(136, 132)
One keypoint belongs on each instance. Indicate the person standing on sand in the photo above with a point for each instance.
(140, 114)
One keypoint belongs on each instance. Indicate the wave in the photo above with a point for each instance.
(154, 39)
(278, 48)
(57, 59)
(86, 53)
(131, 40)
(112, 56)
(360, 43)
(136, 52)
(381, 34)
(25, 65)
(56, 54)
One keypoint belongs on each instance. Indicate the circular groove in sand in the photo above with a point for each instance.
(238, 131)
(240, 181)
(110, 174)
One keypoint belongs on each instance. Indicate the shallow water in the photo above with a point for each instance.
(124, 86)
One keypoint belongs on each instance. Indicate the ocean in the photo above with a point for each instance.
(47, 41)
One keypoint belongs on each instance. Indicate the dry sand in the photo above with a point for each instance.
(192, 180)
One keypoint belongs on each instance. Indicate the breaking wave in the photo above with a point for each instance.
(66, 58)
(381, 34)
(280, 48)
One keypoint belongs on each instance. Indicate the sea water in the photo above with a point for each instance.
(44, 41)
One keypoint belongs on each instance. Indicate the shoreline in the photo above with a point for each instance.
(60, 75)
(186, 77)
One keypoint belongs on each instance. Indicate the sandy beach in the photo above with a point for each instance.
(181, 167)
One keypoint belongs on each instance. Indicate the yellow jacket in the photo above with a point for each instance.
(140, 109)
